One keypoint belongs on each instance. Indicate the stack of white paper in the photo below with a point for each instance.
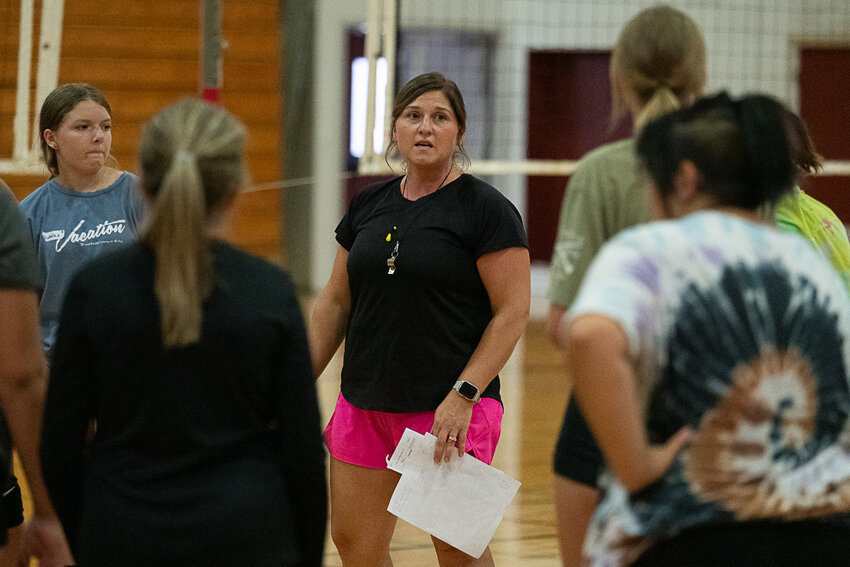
(460, 502)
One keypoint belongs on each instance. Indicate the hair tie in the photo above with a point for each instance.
(183, 155)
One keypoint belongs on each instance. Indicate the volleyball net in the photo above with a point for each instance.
(502, 55)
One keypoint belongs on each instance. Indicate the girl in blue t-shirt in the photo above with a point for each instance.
(89, 206)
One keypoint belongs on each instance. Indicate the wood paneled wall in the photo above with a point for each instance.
(145, 55)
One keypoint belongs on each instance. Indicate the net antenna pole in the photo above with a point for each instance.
(26, 136)
(380, 42)
(211, 47)
(21, 131)
(390, 44)
(373, 50)
(49, 47)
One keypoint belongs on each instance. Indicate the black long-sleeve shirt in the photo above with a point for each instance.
(205, 455)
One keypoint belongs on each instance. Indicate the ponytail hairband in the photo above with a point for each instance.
(183, 155)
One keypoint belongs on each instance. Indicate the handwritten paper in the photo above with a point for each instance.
(460, 502)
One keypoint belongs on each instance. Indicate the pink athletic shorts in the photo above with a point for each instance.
(367, 438)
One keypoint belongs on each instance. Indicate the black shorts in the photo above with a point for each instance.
(754, 544)
(577, 456)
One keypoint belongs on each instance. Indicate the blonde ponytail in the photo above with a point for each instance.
(175, 232)
(191, 156)
(659, 61)
(662, 101)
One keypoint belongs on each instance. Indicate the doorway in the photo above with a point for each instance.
(569, 109)
(825, 108)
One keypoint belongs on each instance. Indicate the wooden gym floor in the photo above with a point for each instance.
(534, 391)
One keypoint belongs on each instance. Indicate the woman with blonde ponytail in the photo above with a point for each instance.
(178, 226)
(657, 65)
(190, 359)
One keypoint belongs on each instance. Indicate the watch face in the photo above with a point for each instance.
(467, 390)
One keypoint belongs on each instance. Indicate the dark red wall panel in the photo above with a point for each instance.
(569, 108)
(825, 107)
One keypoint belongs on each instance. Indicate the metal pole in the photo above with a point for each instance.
(373, 49)
(211, 44)
(50, 44)
(390, 48)
(21, 147)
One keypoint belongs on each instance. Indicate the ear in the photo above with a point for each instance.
(660, 209)
(686, 181)
(50, 137)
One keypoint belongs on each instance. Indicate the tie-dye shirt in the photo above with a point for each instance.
(738, 331)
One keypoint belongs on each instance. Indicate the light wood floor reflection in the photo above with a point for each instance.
(534, 391)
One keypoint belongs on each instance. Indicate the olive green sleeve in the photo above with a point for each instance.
(581, 232)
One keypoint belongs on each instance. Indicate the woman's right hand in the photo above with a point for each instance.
(451, 424)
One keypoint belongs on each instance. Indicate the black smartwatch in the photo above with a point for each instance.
(467, 390)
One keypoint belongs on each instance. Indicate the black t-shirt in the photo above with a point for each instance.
(19, 271)
(18, 267)
(411, 333)
(209, 454)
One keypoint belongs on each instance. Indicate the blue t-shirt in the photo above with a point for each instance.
(740, 332)
(69, 228)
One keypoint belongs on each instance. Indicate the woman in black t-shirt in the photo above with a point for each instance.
(191, 358)
(430, 289)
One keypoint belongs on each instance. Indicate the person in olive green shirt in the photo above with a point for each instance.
(606, 194)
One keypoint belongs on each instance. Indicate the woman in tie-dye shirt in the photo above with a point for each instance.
(709, 355)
